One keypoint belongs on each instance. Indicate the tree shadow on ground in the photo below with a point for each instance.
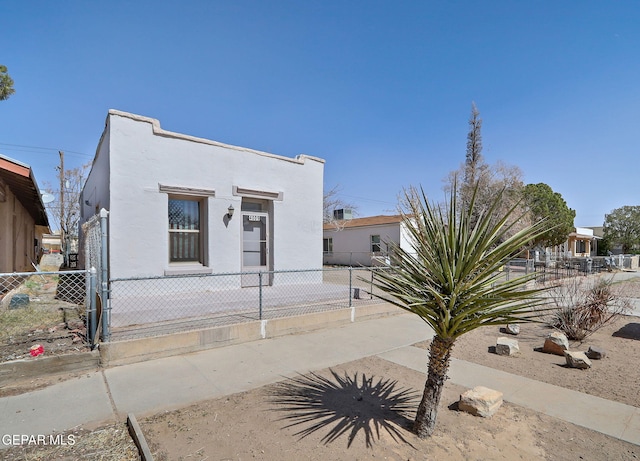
(629, 331)
(345, 404)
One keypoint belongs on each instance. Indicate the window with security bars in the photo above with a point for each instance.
(185, 235)
(375, 244)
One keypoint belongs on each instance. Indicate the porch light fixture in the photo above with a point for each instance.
(230, 211)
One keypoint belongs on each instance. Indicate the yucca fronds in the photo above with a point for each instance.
(451, 279)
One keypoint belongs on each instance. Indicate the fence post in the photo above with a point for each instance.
(350, 284)
(92, 300)
(260, 293)
(371, 284)
(104, 289)
(88, 302)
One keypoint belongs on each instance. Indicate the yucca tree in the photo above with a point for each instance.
(451, 279)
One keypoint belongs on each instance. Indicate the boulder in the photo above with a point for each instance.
(480, 401)
(577, 359)
(512, 329)
(507, 346)
(596, 353)
(556, 343)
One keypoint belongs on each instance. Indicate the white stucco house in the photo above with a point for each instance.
(363, 241)
(181, 205)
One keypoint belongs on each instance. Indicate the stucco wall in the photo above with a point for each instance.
(406, 240)
(141, 156)
(95, 193)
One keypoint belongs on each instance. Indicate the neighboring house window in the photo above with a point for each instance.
(185, 232)
(375, 244)
(581, 246)
(327, 245)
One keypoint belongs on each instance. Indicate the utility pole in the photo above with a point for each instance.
(62, 245)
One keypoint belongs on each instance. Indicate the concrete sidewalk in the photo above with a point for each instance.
(149, 387)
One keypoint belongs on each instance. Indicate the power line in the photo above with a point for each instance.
(53, 150)
(367, 199)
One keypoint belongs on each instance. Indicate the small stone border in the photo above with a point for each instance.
(138, 438)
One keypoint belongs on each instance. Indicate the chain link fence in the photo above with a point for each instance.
(94, 258)
(356, 258)
(570, 267)
(56, 307)
(43, 308)
(153, 306)
(92, 242)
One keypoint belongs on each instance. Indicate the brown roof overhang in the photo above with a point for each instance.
(363, 222)
(19, 178)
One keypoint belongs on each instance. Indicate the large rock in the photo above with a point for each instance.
(512, 329)
(577, 359)
(507, 346)
(556, 343)
(596, 353)
(480, 401)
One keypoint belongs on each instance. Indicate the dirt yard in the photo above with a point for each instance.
(46, 317)
(616, 377)
(363, 410)
(57, 337)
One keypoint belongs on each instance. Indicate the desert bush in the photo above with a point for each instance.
(584, 305)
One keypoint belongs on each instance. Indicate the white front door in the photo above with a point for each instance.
(255, 246)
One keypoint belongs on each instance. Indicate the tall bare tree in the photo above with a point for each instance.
(484, 181)
(331, 201)
(474, 165)
(67, 213)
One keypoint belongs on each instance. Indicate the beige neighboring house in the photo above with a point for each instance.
(23, 218)
(362, 241)
(582, 243)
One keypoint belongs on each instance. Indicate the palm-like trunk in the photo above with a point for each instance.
(439, 359)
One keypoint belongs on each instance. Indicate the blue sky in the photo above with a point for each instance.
(382, 90)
